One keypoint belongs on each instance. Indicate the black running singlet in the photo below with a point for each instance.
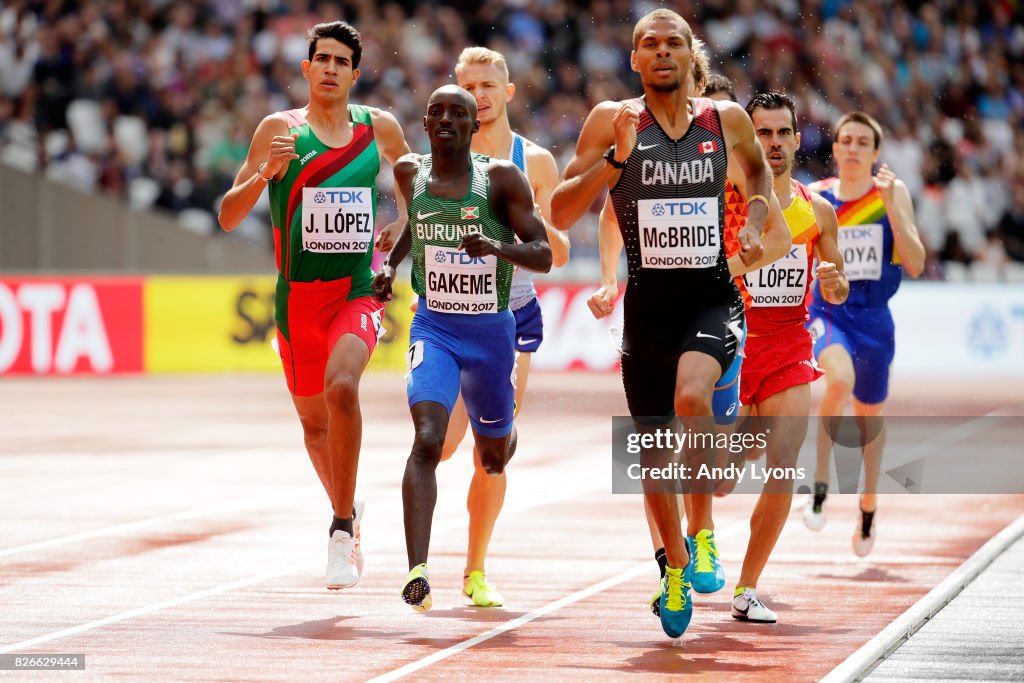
(670, 206)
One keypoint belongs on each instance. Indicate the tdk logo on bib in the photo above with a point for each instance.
(339, 197)
(457, 258)
(680, 209)
(859, 233)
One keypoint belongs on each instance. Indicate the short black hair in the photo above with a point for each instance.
(773, 99)
(659, 14)
(719, 83)
(341, 31)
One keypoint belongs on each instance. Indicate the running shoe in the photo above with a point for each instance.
(342, 563)
(656, 598)
(675, 607)
(416, 591)
(814, 510)
(483, 594)
(864, 534)
(708, 575)
(747, 607)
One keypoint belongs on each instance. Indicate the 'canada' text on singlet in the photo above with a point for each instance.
(669, 204)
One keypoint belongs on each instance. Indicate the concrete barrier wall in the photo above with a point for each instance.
(46, 227)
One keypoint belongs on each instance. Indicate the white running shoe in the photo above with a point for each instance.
(814, 515)
(342, 564)
(862, 544)
(345, 554)
(746, 607)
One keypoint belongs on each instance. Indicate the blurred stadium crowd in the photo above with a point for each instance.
(155, 101)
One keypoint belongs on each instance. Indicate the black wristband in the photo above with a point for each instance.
(609, 156)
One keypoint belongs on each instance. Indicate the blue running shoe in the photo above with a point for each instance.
(656, 598)
(707, 576)
(675, 606)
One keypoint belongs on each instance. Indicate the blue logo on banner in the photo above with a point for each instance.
(988, 335)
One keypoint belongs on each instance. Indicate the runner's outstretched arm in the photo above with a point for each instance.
(610, 123)
(271, 147)
(392, 145)
(830, 273)
(405, 170)
(545, 173)
(749, 156)
(609, 239)
(906, 241)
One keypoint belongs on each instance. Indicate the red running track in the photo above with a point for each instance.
(173, 529)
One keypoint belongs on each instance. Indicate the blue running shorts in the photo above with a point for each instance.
(474, 353)
(529, 327)
(869, 336)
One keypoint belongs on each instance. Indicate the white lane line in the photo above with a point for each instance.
(420, 664)
(150, 609)
(128, 527)
(871, 654)
(459, 522)
(233, 506)
(533, 502)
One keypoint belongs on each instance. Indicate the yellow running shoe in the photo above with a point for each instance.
(416, 591)
(482, 594)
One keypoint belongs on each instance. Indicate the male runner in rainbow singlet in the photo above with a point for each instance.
(321, 165)
(466, 212)
(664, 158)
(855, 343)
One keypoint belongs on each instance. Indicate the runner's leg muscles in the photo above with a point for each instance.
(783, 445)
(838, 366)
(419, 485)
(345, 424)
(312, 412)
(695, 382)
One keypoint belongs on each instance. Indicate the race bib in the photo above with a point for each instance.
(679, 233)
(459, 283)
(862, 251)
(337, 220)
(780, 283)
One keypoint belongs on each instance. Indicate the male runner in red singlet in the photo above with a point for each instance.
(779, 364)
(321, 165)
